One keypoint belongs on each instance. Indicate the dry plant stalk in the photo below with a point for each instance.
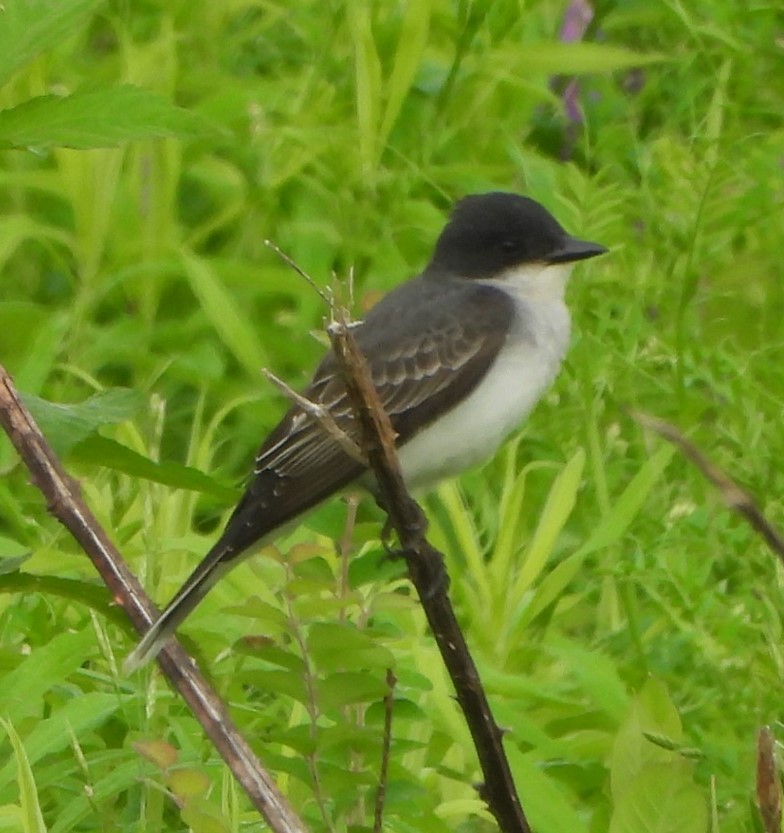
(768, 783)
(428, 574)
(425, 564)
(768, 786)
(64, 503)
(321, 415)
(736, 498)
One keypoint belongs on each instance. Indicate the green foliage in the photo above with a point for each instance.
(652, 784)
(67, 425)
(93, 119)
(31, 27)
(88, 118)
(28, 813)
(627, 627)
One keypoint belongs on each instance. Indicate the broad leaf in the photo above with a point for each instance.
(74, 718)
(113, 455)
(95, 118)
(66, 425)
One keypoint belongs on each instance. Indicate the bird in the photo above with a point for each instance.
(459, 355)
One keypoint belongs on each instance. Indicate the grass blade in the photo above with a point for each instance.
(560, 503)
(32, 818)
(28, 28)
(608, 532)
(410, 48)
(224, 314)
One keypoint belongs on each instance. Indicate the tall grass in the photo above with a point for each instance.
(628, 628)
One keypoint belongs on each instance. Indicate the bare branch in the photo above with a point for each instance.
(768, 786)
(63, 500)
(386, 745)
(428, 574)
(321, 415)
(736, 498)
(300, 271)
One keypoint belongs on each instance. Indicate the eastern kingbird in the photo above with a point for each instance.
(459, 356)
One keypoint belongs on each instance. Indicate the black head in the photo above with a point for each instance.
(489, 233)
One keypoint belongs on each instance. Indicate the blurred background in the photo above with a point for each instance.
(628, 627)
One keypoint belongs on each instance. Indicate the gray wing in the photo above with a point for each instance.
(423, 360)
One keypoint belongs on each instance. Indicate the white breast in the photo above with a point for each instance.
(522, 372)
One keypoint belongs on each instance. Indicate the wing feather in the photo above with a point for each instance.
(437, 352)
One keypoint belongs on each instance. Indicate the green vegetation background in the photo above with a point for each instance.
(628, 628)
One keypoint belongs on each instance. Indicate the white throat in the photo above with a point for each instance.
(535, 281)
(523, 370)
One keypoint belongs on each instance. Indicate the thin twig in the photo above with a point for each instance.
(311, 702)
(426, 569)
(300, 271)
(425, 563)
(768, 786)
(736, 498)
(346, 548)
(386, 743)
(321, 415)
(64, 502)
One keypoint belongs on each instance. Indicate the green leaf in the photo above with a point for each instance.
(627, 506)
(188, 783)
(10, 818)
(334, 647)
(74, 718)
(10, 564)
(66, 425)
(579, 58)
(410, 48)
(661, 798)
(546, 804)
(266, 614)
(559, 505)
(32, 817)
(15, 230)
(91, 594)
(347, 688)
(105, 452)
(288, 683)
(80, 812)
(28, 27)
(598, 676)
(231, 324)
(374, 567)
(269, 652)
(203, 817)
(367, 81)
(607, 532)
(22, 692)
(95, 118)
(652, 712)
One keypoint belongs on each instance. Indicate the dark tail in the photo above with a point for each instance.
(213, 566)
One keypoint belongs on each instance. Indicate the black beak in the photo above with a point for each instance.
(572, 249)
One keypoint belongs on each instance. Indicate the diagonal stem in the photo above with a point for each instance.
(427, 572)
(64, 502)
